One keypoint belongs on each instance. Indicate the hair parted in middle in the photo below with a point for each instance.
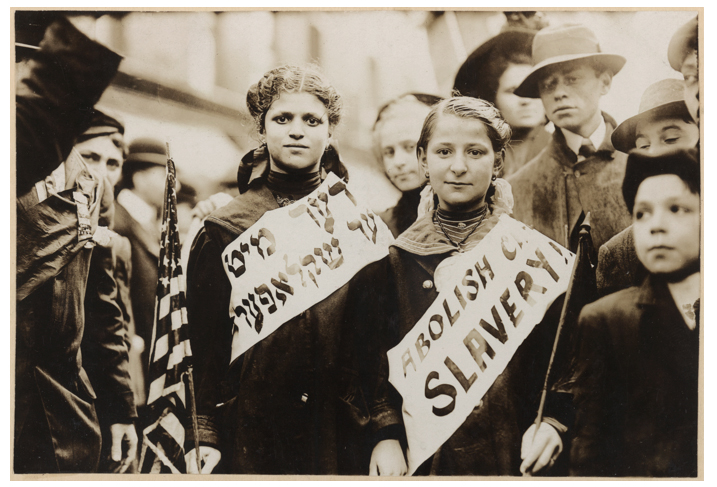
(499, 131)
(292, 79)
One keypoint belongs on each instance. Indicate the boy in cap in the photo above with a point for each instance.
(579, 171)
(683, 56)
(636, 384)
(662, 123)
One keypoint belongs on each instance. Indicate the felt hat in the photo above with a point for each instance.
(146, 151)
(665, 98)
(682, 43)
(471, 77)
(684, 163)
(563, 43)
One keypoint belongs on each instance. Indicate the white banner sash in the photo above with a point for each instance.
(498, 292)
(296, 256)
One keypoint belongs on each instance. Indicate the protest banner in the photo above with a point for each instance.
(498, 292)
(296, 256)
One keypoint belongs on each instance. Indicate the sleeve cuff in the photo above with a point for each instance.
(208, 433)
(559, 427)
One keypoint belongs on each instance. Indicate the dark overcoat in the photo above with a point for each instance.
(554, 190)
(56, 425)
(618, 266)
(636, 387)
(489, 441)
(295, 402)
(144, 276)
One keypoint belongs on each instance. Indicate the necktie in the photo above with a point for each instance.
(587, 149)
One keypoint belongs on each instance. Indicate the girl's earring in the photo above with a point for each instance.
(494, 177)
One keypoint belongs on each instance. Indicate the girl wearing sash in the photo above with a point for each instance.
(461, 151)
(292, 403)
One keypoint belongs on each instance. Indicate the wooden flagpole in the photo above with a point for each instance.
(584, 232)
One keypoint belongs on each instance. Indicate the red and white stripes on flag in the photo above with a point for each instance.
(170, 359)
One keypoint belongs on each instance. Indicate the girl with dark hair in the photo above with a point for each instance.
(492, 72)
(293, 402)
(395, 134)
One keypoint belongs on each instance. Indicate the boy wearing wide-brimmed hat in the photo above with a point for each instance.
(663, 123)
(636, 383)
(579, 171)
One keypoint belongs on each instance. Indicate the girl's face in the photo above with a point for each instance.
(297, 132)
(398, 135)
(519, 112)
(460, 161)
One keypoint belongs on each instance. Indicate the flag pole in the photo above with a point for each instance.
(584, 232)
(195, 425)
(190, 375)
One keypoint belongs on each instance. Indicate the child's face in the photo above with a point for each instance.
(654, 135)
(519, 112)
(460, 160)
(103, 157)
(297, 132)
(571, 94)
(666, 224)
(398, 136)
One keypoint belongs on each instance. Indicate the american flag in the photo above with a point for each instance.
(170, 358)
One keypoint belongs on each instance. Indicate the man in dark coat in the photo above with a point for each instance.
(137, 212)
(58, 209)
(579, 171)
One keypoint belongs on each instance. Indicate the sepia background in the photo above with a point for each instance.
(185, 74)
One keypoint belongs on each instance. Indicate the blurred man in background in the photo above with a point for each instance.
(137, 217)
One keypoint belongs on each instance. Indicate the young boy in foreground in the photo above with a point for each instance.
(636, 385)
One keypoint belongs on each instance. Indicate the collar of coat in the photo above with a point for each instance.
(241, 213)
(254, 166)
(421, 238)
(565, 155)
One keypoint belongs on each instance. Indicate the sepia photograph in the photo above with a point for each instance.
(313, 243)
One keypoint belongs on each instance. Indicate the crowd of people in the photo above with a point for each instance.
(523, 136)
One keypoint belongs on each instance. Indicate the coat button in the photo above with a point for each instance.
(577, 173)
(428, 284)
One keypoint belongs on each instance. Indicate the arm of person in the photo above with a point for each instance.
(208, 459)
(540, 449)
(595, 388)
(387, 459)
(374, 307)
(210, 331)
(105, 348)
(55, 93)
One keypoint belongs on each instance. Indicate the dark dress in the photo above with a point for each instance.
(636, 387)
(489, 441)
(294, 402)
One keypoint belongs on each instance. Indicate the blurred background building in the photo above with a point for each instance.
(185, 74)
